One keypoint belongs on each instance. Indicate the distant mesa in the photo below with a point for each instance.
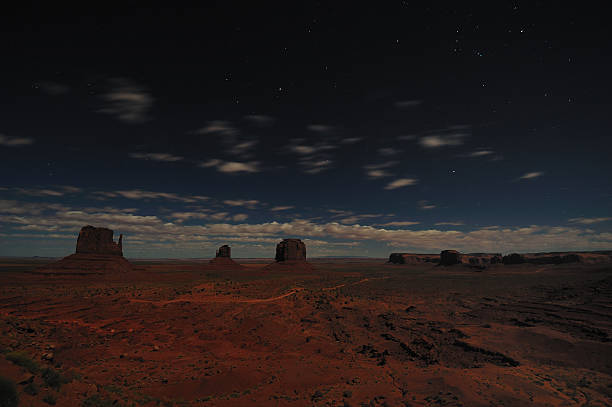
(291, 250)
(481, 260)
(411, 258)
(96, 253)
(223, 259)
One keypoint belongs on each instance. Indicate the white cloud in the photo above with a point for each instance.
(15, 141)
(128, 102)
(531, 175)
(399, 223)
(299, 149)
(589, 221)
(401, 182)
(388, 151)
(425, 205)
(240, 217)
(232, 166)
(242, 147)
(281, 208)
(378, 174)
(260, 119)
(241, 202)
(449, 223)
(320, 128)
(351, 140)
(165, 157)
(142, 194)
(218, 127)
(442, 140)
(481, 153)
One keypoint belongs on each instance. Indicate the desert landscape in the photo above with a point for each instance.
(291, 332)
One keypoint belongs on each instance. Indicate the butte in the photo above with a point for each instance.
(96, 253)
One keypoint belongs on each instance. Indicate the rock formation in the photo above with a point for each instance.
(94, 240)
(223, 259)
(224, 251)
(96, 253)
(291, 250)
(411, 258)
(450, 257)
(513, 258)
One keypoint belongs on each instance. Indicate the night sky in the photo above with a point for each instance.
(362, 129)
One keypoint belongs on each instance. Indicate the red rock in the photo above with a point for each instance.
(290, 250)
(96, 253)
(94, 240)
(411, 258)
(224, 251)
(450, 257)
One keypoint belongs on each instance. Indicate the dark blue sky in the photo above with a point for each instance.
(363, 130)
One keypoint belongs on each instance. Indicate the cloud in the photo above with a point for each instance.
(401, 182)
(154, 232)
(320, 128)
(399, 223)
(56, 191)
(442, 140)
(218, 127)
(142, 194)
(531, 175)
(126, 101)
(231, 166)
(241, 202)
(378, 174)
(259, 119)
(299, 149)
(316, 166)
(449, 224)
(406, 104)
(281, 208)
(350, 140)
(589, 221)
(165, 157)
(374, 171)
(425, 205)
(480, 153)
(388, 151)
(240, 217)
(242, 147)
(15, 141)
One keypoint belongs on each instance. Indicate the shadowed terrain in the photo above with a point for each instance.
(358, 333)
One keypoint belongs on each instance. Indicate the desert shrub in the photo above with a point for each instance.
(23, 359)
(97, 401)
(53, 378)
(31, 389)
(50, 399)
(8, 393)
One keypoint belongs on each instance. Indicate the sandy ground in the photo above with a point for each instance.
(343, 334)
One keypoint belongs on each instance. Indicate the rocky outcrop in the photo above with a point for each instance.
(513, 258)
(450, 257)
(94, 240)
(223, 259)
(224, 251)
(411, 258)
(96, 253)
(290, 250)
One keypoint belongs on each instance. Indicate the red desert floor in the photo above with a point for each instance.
(339, 334)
